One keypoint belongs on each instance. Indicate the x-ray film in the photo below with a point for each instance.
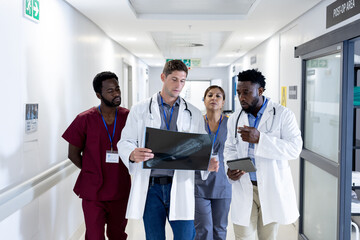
(177, 150)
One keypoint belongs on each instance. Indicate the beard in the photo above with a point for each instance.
(251, 108)
(112, 103)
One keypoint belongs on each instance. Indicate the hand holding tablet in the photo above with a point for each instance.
(243, 164)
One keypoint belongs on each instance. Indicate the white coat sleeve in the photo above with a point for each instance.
(288, 146)
(230, 151)
(129, 140)
(201, 129)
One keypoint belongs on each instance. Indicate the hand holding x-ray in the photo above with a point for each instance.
(213, 165)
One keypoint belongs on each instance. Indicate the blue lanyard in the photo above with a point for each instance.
(107, 130)
(172, 110)
(258, 117)
(217, 131)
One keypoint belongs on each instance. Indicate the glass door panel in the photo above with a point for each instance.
(320, 203)
(320, 164)
(322, 98)
(193, 92)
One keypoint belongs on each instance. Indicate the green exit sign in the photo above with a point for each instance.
(186, 61)
(32, 9)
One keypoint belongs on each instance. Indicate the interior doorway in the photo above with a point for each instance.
(128, 85)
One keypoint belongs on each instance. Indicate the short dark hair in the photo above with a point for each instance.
(174, 65)
(100, 77)
(253, 76)
(212, 87)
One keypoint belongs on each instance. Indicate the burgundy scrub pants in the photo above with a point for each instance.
(99, 213)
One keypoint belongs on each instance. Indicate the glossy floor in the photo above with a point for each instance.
(135, 231)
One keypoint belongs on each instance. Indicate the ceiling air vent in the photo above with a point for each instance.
(190, 45)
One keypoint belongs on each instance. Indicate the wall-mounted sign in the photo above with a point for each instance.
(310, 72)
(31, 117)
(195, 62)
(292, 92)
(283, 96)
(187, 62)
(253, 60)
(317, 63)
(190, 63)
(356, 96)
(32, 9)
(341, 10)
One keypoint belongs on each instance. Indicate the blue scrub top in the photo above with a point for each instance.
(217, 184)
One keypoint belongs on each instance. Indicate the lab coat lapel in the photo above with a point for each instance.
(156, 122)
(242, 147)
(266, 115)
(179, 123)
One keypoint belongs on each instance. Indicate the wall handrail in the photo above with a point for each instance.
(13, 198)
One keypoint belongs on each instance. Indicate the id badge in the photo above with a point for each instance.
(112, 157)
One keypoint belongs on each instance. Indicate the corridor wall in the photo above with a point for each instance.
(52, 64)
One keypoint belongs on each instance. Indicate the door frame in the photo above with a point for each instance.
(344, 36)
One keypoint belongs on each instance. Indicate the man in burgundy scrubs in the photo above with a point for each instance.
(104, 182)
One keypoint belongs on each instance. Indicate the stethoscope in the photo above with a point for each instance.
(186, 109)
(235, 141)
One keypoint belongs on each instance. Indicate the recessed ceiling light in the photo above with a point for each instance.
(126, 39)
(88, 39)
(249, 38)
(190, 45)
(145, 55)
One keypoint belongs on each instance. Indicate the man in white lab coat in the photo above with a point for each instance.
(158, 194)
(268, 133)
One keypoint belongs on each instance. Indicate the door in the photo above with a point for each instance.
(127, 95)
(320, 158)
(330, 131)
(193, 92)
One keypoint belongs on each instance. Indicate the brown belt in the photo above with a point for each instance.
(254, 183)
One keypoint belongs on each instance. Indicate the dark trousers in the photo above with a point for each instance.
(99, 213)
(211, 218)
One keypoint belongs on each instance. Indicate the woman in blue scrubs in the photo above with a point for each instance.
(213, 196)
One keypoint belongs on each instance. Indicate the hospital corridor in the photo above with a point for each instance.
(188, 119)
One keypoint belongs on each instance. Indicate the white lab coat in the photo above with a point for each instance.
(182, 203)
(276, 146)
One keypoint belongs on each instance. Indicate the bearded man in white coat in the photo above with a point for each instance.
(268, 133)
(160, 194)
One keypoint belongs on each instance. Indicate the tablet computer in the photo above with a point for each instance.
(244, 164)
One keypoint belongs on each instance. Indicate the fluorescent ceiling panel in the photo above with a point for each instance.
(191, 7)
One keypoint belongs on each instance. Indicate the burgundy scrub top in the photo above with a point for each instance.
(98, 180)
